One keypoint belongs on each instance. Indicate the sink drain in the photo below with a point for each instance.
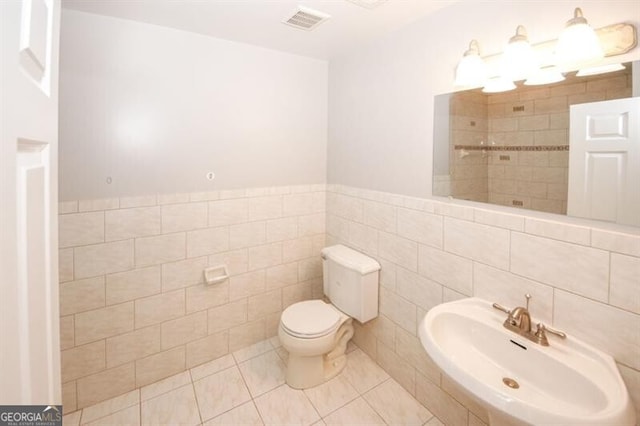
(510, 382)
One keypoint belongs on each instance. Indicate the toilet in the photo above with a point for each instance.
(316, 333)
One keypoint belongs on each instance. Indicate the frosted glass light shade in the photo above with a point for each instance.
(519, 60)
(578, 44)
(471, 70)
(603, 69)
(545, 75)
(498, 84)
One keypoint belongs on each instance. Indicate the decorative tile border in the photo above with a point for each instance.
(512, 148)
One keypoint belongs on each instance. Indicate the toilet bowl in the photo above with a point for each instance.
(316, 333)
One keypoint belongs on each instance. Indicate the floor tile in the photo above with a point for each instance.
(72, 419)
(283, 354)
(357, 412)
(221, 392)
(286, 406)
(401, 409)
(127, 417)
(110, 406)
(331, 395)
(252, 351)
(212, 367)
(434, 422)
(174, 407)
(263, 373)
(246, 415)
(362, 372)
(275, 342)
(165, 385)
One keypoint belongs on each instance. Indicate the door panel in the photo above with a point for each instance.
(604, 161)
(29, 312)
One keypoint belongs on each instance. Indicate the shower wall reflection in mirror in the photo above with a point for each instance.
(512, 148)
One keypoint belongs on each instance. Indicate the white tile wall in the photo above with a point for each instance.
(584, 280)
(419, 226)
(100, 259)
(583, 270)
(483, 243)
(207, 241)
(123, 224)
(81, 229)
(160, 249)
(133, 298)
(625, 282)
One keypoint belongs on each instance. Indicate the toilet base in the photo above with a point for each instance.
(305, 372)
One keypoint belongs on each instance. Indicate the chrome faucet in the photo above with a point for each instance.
(519, 321)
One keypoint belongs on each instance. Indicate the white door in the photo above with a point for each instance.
(604, 161)
(29, 318)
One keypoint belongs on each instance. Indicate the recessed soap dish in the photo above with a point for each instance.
(216, 274)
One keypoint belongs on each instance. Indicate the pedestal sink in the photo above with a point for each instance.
(519, 381)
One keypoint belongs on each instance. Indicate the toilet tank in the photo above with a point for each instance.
(351, 281)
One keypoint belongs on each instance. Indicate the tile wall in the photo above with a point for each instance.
(135, 309)
(469, 126)
(134, 306)
(584, 280)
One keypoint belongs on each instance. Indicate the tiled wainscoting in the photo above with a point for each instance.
(134, 308)
(584, 281)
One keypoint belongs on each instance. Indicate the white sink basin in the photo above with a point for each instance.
(568, 382)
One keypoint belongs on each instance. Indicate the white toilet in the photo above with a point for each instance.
(316, 333)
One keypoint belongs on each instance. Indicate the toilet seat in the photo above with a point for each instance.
(310, 319)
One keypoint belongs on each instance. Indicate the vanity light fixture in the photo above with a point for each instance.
(600, 70)
(578, 43)
(578, 47)
(519, 60)
(471, 71)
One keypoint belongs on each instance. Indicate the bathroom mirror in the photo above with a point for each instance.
(512, 148)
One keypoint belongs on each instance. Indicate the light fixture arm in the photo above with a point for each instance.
(521, 35)
(578, 18)
(474, 48)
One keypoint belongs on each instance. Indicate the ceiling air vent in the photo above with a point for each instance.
(305, 18)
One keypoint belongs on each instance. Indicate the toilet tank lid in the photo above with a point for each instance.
(351, 259)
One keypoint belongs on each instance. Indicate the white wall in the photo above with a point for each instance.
(155, 109)
(381, 98)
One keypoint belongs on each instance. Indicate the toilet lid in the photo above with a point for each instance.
(312, 318)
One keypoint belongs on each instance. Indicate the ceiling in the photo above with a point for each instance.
(258, 22)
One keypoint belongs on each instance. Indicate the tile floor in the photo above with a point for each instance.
(248, 388)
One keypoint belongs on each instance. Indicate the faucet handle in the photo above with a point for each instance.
(560, 334)
(541, 334)
(501, 308)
